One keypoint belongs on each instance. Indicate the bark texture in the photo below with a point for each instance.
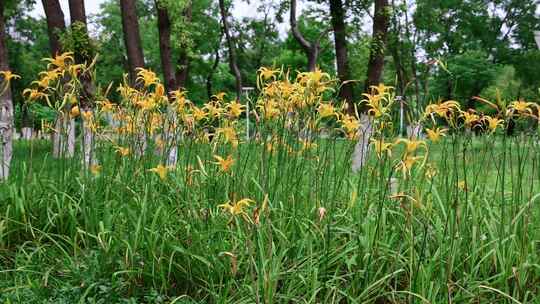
(87, 92)
(311, 49)
(378, 44)
(132, 37)
(232, 49)
(63, 139)
(165, 50)
(6, 105)
(337, 11)
(55, 24)
(361, 150)
(375, 68)
(77, 11)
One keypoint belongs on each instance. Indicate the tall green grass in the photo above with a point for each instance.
(317, 234)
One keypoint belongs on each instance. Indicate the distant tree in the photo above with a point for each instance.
(79, 40)
(210, 76)
(77, 11)
(6, 103)
(182, 70)
(337, 11)
(311, 48)
(55, 24)
(132, 37)
(224, 11)
(164, 28)
(84, 54)
(63, 140)
(378, 43)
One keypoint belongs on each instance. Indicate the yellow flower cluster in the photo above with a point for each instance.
(451, 113)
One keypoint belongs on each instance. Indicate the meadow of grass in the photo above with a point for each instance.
(463, 229)
(278, 218)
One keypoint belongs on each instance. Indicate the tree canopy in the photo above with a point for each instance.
(452, 49)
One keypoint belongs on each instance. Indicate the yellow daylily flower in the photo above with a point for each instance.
(75, 111)
(444, 110)
(147, 104)
(123, 151)
(521, 107)
(8, 76)
(60, 61)
(219, 96)
(313, 78)
(33, 94)
(493, 122)
(43, 82)
(349, 124)
(95, 169)
(75, 69)
(229, 133)
(269, 109)
(407, 164)
(267, 73)
(381, 147)
(161, 171)
(470, 118)
(435, 134)
(87, 115)
(326, 110)
(381, 89)
(199, 114)
(225, 164)
(147, 77)
(214, 111)
(180, 100)
(106, 106)
(235, 109)
(160, 90)
(412, 145)
(238, 208)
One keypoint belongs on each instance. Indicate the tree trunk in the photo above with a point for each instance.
(87, 94)
(6, 105)
(63, 139)
(340, 38)
(77, 11)
(311, 49)
(132, 37)
(55, 24)
(378, 44)
(164, 29)
(232, 50)
(171, 84)
(361, 149)
(374, 72)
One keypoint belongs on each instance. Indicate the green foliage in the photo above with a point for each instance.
(76, 40)
(505, 85)
(465, 75)
(38, 114)
(25, 57)
(125, 236)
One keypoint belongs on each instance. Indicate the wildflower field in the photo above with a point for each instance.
(163, 200)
